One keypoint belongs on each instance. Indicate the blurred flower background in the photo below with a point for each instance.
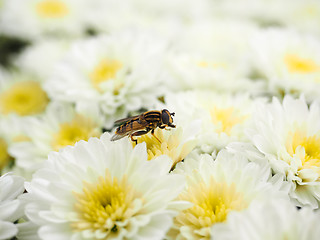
(242, 77)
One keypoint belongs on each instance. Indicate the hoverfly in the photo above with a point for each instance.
(142, 124)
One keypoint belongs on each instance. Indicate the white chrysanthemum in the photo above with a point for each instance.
(21, 94)
(182, 9)
(290, 61)
(61, 126)
(11, 187)
(217, 37)
(219, 187)
(36, 18)
(224, 117)
(263, 12)
(302, 15)
(33, 59)
(202, 58)
(288, 134)
(117, 72)
(272, 219)
(165, 17)
(103, 190)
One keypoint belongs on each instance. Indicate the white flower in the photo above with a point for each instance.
(216, 37)
(167, 9)
(289, 61)
(217, 188)
(33, 59)
(224, 117)
(61, 126)
(11, 187)
(272, 219)
(302, 15)
(288, 134)
(201, 58)
(36, 18)
(117, 72)
(165, 17)
(103, 190)
(262, 12)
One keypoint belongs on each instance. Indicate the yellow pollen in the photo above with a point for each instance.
(104, 71)
(4, 155)
(105, 206)
(311, 146)
(52, 9)
(170, 144)
(297, 64)
(227, 118)
(24, 98)
(80, 128)
(212, 204)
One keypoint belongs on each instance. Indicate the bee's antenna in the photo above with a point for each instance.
(172, 114)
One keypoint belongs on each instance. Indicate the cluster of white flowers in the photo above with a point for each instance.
(240, 159)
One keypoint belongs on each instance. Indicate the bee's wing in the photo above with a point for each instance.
(126, 130)
(118, 136)
(123, 120)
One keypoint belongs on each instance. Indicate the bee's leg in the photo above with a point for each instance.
(134, 140)
(138, 133)
(152, 132)
(165, 127)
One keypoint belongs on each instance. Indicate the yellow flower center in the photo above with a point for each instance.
(52, 9)
(309, 10)
(103, 207)
(4, 155)
(212, 203)
(226, 118)
(311, 146)
(217, 65)
(21, 138)
(80, 128)
(104, 71)
(170, 144)
(24, 98)
(298, 64)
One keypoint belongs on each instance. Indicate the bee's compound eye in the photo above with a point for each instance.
(165, 115)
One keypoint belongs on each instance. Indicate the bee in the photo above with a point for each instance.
(142, 124)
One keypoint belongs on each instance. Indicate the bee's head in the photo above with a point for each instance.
(166, 117)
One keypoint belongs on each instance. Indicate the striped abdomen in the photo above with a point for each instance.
(153, 117)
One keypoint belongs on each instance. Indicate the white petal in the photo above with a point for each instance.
(156, 229)
(7, 230)
(54, 232)
(308, 175)
(10, 210)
